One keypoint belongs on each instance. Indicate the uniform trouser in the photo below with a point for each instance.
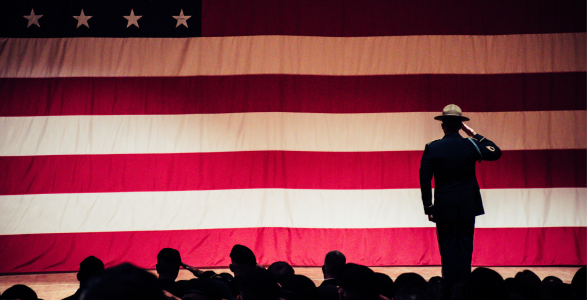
(455, 241)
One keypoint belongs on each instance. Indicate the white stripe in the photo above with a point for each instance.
(115, 134)
(136, 211)
(382, 55)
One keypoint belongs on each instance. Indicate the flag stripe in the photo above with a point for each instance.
(139, 211)
(298, 246)
(303, 55)
(419, 17)
(63, 135)
(291, 93)
(271, 169)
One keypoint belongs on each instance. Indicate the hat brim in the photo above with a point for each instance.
(439, 118)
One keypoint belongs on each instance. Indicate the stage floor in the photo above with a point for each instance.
(55, 286)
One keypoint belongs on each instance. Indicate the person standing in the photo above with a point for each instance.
(457, 198)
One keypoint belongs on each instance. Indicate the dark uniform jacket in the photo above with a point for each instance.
(451, 161)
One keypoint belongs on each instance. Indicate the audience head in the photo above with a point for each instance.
(484, 283)
(281, 270)
(19, 291)
(413, 291)
(530, 283)
(123, 282)
(258, 284)
(411, 286)
(89, 267)
(579, 284)
(358, 282)
(552, 287)
(242, 259)
(514, 288)
(407, 278)
(551, 281)
(438, 287)
(528, 277)
(457, 291)
(169, 255)
(298, 287)
(385, 285)
(168, 263)
(333, 264)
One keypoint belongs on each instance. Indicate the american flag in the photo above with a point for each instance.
(292, 127)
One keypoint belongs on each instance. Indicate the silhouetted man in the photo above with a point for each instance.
(89, 267)
(242, 259)
(333, 264)
(168, 263)
(457, 198)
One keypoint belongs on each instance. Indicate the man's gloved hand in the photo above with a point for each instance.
(468, 130)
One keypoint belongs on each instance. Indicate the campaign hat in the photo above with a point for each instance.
(452, 111)
(169, 255)
(243, 255)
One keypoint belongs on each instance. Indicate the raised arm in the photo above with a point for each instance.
(488, 149)
(197, 272)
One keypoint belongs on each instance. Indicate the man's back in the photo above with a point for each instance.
(451, 161)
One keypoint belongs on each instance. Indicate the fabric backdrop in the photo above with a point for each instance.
(292, 127)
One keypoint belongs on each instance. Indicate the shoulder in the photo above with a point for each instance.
(75, 296)
(433, 142)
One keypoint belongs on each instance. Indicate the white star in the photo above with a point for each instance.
(33, 19)
(82, 19)
(132, 19)
(181, 19)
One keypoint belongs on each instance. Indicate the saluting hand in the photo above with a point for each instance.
(197, 272)
(468, 130)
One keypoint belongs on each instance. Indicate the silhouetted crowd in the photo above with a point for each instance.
(342, 281)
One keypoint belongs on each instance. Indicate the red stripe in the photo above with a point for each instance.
(380, 18)
(299, 247)
(272, 169)
(291, 93)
